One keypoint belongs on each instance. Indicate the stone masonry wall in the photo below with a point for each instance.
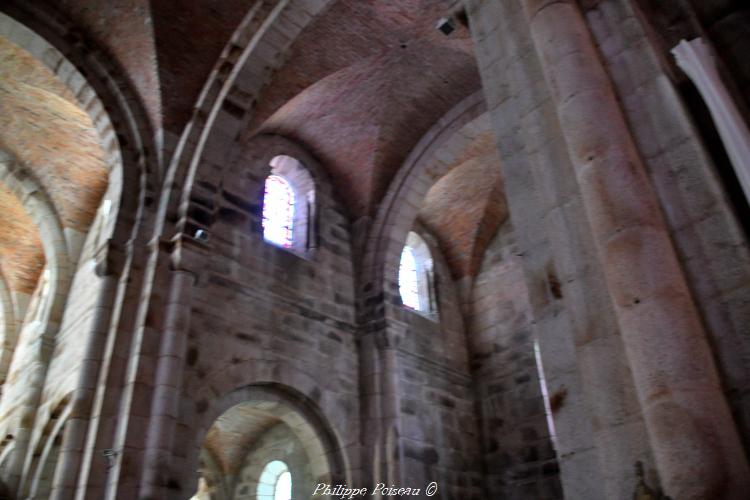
(439, 424)
(519, 457)
(75, 330)
(263, 314)
(710, 243)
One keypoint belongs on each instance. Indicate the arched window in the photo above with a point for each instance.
(275, 482)
(415, 276)
(278, 211)
(289, 205)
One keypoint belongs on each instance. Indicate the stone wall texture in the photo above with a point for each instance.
(589, 282)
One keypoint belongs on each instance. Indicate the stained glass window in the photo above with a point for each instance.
(278, 211)
(408, 280)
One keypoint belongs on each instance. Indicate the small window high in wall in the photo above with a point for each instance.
(415, 276)
(289, 205)
(278, 211)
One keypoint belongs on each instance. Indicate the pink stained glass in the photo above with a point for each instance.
(278, 211)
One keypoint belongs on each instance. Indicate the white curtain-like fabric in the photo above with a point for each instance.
(697, 60)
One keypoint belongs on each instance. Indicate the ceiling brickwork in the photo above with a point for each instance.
(233, 434)
(123, 29)
(362, 107)
(360, 86)
(20, 247)
(44, 128)
(464, 209)
(189, 37)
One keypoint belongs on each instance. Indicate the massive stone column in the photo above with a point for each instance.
(168, 386)
(381, 429)
(391, 445)
(694, 439)
(599, 429)
(74, 436)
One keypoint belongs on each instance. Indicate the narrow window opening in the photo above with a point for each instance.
(416, 280)
(275, 482)
(278, 211)
(408, 282)
(289, 209)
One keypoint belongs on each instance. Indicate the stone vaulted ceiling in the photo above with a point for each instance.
(20, 247)
(232, 435)
(360, 86)
(363, 83)
(43, 127)
(464, 208)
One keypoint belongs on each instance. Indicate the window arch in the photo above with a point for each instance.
(416, 277)
(289, 205)
(275, 482)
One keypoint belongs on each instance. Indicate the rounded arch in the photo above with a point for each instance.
(294, 409)
(430, 159)
(9, 325)
(304, 211)
(41, 466)
(58, 268)
(129, 154)
(242, 182)
(104, 94)
(279, 155)
(35, 200)
(235, 83)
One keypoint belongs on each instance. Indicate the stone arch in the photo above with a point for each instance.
(24, 185)
(287, 158)
(241, 189)
(250, 163)
(104, 94)
(429, 160)
(294, 409)
(301, 181)
(36, 202)
(257, 48)
(41, 468)
(9, 313)
(124, 133)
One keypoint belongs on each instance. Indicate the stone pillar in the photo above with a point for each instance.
(74, 435)
(168, 386)
(8, 327)
(694, 439)
(390, 406)
(697, 61)
(597, 417)
(381, 413)
(370, 389)
(34, 353)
